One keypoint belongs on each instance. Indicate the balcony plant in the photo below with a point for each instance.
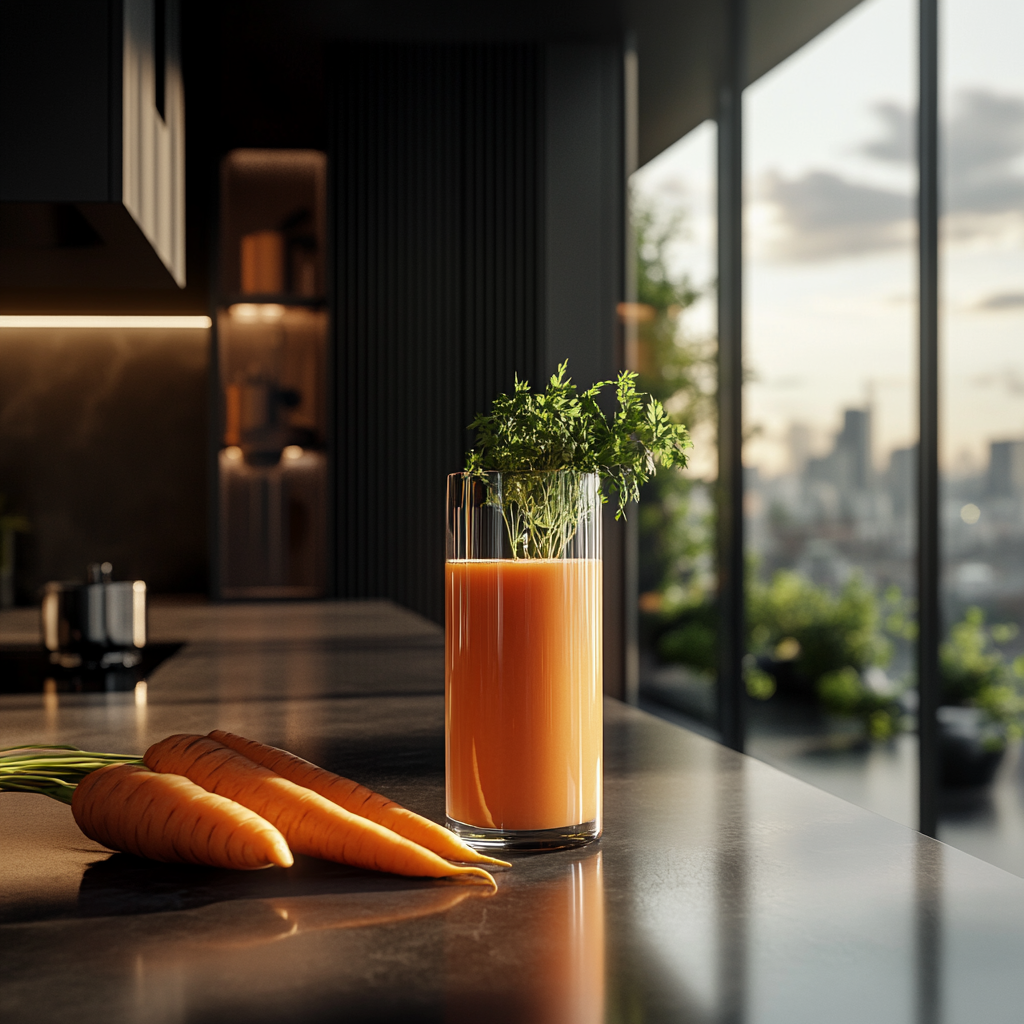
(826, 647)
(806, 643)
(982, 699)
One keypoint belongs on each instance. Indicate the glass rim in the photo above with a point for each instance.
(476, 474)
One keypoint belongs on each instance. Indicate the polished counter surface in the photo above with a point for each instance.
(722, 890)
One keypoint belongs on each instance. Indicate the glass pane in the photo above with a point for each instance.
(672, 329)
(982, 432)
(830, 410)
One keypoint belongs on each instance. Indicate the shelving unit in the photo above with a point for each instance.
(272, 324)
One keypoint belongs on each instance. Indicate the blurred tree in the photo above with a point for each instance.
(674, 366)
(678, 369)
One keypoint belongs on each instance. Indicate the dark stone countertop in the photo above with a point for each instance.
(722, 889)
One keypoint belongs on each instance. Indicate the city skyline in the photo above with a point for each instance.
(837, 513)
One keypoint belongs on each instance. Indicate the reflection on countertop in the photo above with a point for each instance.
(722, 890)
(984, 821)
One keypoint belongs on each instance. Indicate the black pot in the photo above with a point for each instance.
(971, 747)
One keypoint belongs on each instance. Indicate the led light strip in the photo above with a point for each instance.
(110, 322)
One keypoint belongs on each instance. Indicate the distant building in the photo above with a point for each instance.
(799, 443)
(848, 465)
(901, 480)
(1006, 469)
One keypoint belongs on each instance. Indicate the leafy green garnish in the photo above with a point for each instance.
(527, 436)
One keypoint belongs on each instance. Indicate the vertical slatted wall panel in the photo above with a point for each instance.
(436, 167)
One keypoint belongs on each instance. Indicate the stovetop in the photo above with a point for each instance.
(27, 668)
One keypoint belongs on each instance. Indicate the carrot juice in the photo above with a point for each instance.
(523, 682)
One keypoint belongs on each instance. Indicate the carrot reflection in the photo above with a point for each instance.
(244, 924)
(282, 918)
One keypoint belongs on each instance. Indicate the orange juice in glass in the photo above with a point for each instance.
(523, 646)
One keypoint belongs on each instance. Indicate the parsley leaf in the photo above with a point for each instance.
(527, 435)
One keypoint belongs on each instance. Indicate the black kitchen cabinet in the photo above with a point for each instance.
(92, 154)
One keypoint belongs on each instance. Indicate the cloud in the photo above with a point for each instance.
(980, 140)
(821, 214)
(825, 215)
(986, 135)
(1001, 301)
(897, 142)
(1009, 378)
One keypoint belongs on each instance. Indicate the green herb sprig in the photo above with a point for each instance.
(528, 435)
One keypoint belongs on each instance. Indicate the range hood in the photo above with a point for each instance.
(92, 169)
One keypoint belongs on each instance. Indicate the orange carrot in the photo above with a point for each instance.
(357, 799)
(167, 818)
(311, 824)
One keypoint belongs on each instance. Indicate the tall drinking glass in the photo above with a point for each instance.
(523, 659)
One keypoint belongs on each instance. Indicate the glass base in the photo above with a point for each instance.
(525, 839)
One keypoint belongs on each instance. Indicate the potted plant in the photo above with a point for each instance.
(825, 648)
(982, 700)
(806, 643)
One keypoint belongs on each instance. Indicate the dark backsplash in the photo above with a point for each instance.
(102, 447)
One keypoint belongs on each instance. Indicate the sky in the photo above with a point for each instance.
(830, 287)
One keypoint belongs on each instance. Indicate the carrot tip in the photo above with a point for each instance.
(493, 864)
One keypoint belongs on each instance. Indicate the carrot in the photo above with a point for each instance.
(357, 799)
(311, 824)
(168, 818)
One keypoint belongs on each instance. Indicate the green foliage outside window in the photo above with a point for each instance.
(822, 643)
(976, 673)
(831, 632)
(679, 370)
